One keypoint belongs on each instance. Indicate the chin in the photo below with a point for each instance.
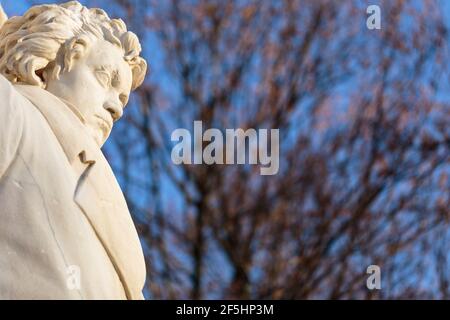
(100, 142)
(99, 137)
(105, 137)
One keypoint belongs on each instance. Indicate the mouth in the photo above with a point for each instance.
(105, 124)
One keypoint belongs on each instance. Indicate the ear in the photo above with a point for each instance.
(138, 70)
(50, 72)
(74, 49)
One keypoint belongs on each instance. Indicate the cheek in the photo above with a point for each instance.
(90, 96)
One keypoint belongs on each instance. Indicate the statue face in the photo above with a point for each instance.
(96, 88)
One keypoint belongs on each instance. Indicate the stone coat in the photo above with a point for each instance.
(65, 229)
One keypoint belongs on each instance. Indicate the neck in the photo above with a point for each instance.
(74, 110)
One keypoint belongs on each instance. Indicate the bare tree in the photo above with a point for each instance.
(364, 135)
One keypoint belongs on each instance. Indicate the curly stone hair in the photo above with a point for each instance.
(47, 38)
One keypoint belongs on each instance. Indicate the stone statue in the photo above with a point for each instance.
(66, 73)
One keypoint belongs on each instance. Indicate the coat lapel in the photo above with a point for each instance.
(101, 200)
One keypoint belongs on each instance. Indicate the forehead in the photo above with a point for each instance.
(104, 54)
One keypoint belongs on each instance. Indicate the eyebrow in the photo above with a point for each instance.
(115, 76)
(106, 67)
(114, 73)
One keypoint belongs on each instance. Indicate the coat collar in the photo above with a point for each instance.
(75, 146)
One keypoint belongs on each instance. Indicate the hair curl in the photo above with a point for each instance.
(41, 38)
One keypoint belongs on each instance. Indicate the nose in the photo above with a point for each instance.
(115, 109)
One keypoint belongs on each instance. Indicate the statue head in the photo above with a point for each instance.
(80, 55)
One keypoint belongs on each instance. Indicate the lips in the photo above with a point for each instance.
(106, 124)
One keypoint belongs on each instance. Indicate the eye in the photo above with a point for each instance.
(124, 99)
(103, 77)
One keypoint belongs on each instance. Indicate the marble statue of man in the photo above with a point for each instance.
(66, 73)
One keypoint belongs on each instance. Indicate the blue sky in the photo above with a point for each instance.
(18, 7)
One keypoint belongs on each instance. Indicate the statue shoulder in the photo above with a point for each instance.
(5, 85)
(11, 106)
(11, 123)
(4, 81)
(8, 97)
